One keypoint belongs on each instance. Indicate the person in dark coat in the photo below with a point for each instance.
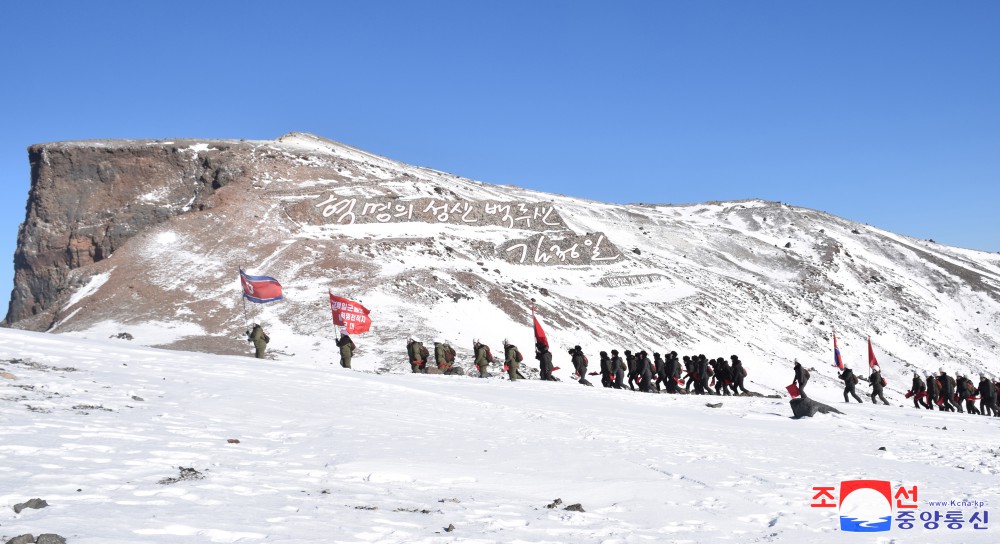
(347, 348)
(918, 390)
(630, 364)
(960, 391)
(544, 357)
(580, 364)
(644, 372)
(967, 392)
(618, 369)
(606, 372)
(875, 380)
(690, 373)
(723, 377)
(659, 371)
(671, 369)
(947, 391)
(933, 392)
(738, 375)
(801, 378)
(259, 338)
(415, 353)
(704, 376)
(987, 397)
(850, 380)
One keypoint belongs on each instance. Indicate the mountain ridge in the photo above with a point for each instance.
(438, 255)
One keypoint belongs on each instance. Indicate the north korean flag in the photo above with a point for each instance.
(260, 289)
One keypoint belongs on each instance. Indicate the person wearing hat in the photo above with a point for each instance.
(544, 357)
(850, 380)
(347, 348)
(801, 378)
(739, 373)
(630, 369)
(512, 360)
(947, 391)
(967, 392)
(483, 358)
(580, 364)
(606, 378)
(918, 391)
(877, 383)
(417, 354)
(617, 369)
(933, 392)
(987, 397)
(259, 338)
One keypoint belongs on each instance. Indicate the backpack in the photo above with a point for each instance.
(517, 356)
(884, 383)
(424, 354)
(449, 354)
(854, 379)
(744, 372)
(805, 374)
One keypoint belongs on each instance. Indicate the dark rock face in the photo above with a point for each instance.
(88, 198)
(33, 503)
(808, 408)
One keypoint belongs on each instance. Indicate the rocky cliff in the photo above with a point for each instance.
(147, 236)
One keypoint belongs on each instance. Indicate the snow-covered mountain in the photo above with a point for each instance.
(128, 444)
(160, 228)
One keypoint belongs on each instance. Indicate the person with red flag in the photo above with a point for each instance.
(544, 357)
(918, 391)
(800, 379)
(347, 348)
(877, 383)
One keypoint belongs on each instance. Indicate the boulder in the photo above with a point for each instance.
(807, 408)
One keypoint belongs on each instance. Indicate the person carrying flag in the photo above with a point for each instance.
(918, 390)
(259, 339)
(347, 348)
(850, 380)
(877, 383)
(544, 357)
(801, 378)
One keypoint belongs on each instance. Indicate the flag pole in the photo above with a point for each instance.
(246, 318)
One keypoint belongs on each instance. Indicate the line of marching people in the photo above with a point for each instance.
(947, 393)
(635, 371)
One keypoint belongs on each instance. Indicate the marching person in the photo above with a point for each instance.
(850, 380)
(801, 378)
(877, 383)
(544, 357)
(259, 339)
(483, 358)
(347, 348)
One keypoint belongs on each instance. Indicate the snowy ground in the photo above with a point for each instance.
(332, 455)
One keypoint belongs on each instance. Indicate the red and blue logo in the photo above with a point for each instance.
(865, 506)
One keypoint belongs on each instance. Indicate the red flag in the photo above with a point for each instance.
(836, 354)
(872, 361)
(539, 333)
(350, 315)
(260, 289)
(793, 390)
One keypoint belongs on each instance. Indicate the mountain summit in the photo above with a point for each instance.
(147, 236)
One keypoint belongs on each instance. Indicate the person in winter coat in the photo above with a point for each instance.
(738, 375)
(659, 371)
(580, 364)
(933, 392)
(947, 391)
(544, 357)
(512, 360)
(987, 397)
(801, 378)
(347, 348)
(417, 354)
(444, 356)
(960, 391)
(875, 380)
(259, 339)
(967, 392)
(606, 374)
(483, 358)
(704, 375)
(689, 374)
(617, 369)
(671, 370)
(630, 363)
(723, 377)
(850, 380)
(916, 389)
(644, 372)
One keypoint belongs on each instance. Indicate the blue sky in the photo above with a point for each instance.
(883, 112)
